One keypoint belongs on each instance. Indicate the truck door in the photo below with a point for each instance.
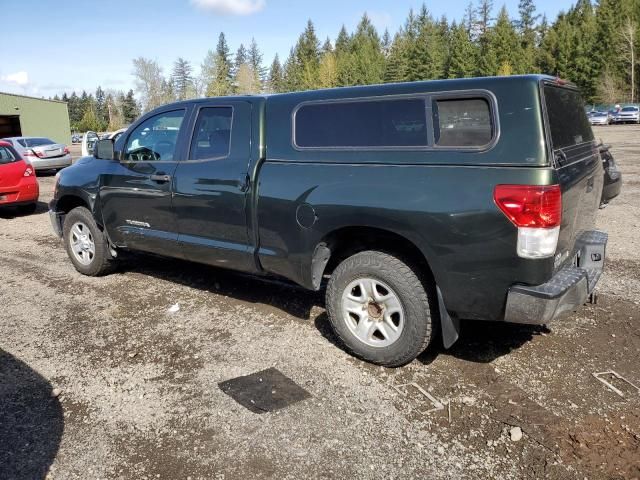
(210, 188)
(135, 195)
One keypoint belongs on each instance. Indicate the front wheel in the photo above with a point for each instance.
(379, 309)
(85, 243)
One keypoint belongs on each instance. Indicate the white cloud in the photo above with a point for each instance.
(230, 7)
(19, 78)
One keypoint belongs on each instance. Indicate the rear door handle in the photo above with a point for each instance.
(160, 178)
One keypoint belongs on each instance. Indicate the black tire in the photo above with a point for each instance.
(28, 209)
(417, 306)
(101, 262)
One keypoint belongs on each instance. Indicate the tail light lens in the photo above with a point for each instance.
(29, 171)
(537, 212)
(28, 153)
(66, 150)
(39, 154)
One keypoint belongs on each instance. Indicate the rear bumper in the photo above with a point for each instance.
(27, 191)
(49, 163)
(565, 292)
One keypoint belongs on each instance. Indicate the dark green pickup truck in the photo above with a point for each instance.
(421, 203)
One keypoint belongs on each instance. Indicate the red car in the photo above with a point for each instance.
(18, 182)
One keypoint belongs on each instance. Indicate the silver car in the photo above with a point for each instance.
(42, 153)
(628, 114)
(599, 118)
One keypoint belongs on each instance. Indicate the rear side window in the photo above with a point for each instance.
(462, 122)
(568, 123)
(362, 124)
(212, 134)
(6, 155)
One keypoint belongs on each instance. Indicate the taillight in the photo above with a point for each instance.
(29, 171)
(537, 212)
(28, 153)
(66, 150)
(39, 154)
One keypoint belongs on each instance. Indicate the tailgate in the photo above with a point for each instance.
(577, 164)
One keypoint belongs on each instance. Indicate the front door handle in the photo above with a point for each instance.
(160, 178)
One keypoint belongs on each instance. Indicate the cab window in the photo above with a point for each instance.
(155, 139)
(212, 133)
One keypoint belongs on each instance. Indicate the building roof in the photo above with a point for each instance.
(32, 98)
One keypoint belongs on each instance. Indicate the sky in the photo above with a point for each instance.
(48, 47)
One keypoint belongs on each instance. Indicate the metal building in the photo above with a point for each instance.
(34, 117)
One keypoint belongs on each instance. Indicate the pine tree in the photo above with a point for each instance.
(396, 64)
(216, 70)
(255, 61)
(275, 81)
(504, 42)
(130, 110)
(368, 62)
(527, 30)
(307, 58)
(182, 79)
(101, 107)
(463, 55)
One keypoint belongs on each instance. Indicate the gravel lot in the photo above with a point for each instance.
(99, 380)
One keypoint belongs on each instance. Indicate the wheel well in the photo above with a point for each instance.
(350, 240)
(69, 202)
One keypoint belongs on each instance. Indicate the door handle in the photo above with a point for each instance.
(160, 178)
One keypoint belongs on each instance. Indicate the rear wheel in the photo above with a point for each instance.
(85, 243)
(379, 309)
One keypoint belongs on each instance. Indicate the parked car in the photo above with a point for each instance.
(18, 183)
(76, 138)
(419, 203)
(628, 114)
(43, 153)
(599, 118)
(89, 140)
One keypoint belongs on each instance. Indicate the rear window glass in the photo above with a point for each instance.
(376, 123)
(630, 109)
(568, 123)
(6, 155)
(37, 142)
(462, 122)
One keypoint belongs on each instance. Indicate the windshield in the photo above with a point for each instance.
(37, 142)
(630, 109)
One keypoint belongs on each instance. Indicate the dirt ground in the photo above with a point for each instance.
(99, 380)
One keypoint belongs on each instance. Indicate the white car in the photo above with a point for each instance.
(43, 153)
(630, 114)
(89, 140)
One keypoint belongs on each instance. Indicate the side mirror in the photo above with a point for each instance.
(104, 149)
